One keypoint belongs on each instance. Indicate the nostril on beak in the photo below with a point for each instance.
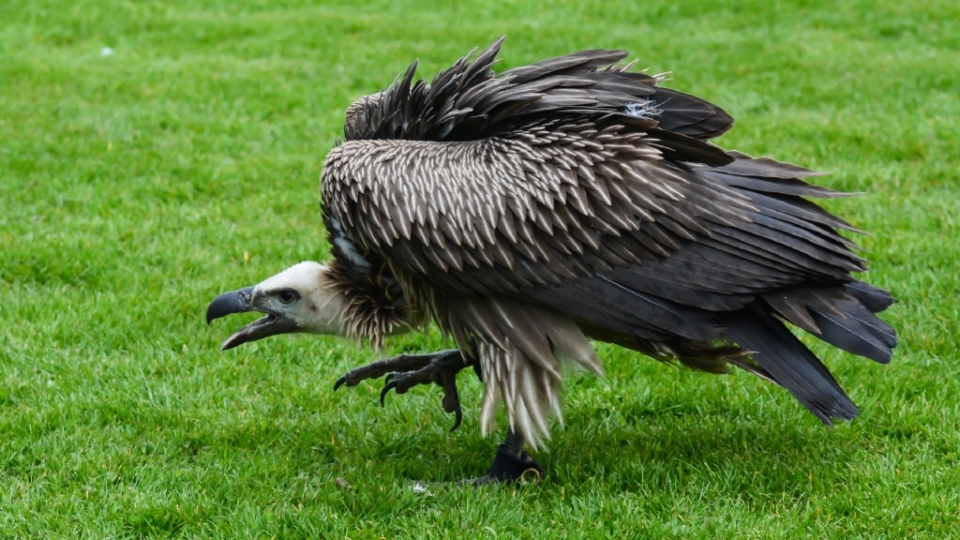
(246, 295)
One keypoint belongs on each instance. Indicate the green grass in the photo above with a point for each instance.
(135, 187)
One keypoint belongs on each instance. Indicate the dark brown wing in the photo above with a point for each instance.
(536, 215)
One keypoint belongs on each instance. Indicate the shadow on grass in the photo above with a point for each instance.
(669, 454)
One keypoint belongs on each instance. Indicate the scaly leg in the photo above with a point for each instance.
(408, 370)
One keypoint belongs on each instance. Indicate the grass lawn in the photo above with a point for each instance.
(154, 154)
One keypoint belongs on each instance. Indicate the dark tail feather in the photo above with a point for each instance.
(843, 316)
(859, 331)
(873, 298)
(791, 364)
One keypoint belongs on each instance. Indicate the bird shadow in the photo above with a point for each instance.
(663, 454)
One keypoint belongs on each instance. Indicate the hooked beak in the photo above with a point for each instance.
(241, 301)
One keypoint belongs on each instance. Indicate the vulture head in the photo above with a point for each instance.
(299, 299)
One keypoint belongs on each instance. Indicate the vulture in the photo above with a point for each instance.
(529, 212)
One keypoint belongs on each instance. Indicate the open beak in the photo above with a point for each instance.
(241, 301)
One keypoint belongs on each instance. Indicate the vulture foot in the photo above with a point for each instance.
(511, 465)
(405, 371)
(508, 467)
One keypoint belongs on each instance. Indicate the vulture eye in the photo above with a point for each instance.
(288, 296)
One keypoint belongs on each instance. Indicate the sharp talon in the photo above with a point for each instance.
(383, 393)
(459, 415)
(403, 372)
